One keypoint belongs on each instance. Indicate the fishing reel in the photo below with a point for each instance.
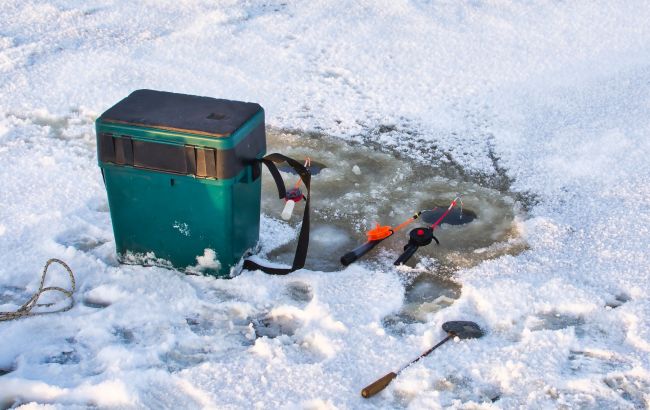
(293, 195)
(417, 237)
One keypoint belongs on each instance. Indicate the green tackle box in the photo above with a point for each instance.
(183, 179)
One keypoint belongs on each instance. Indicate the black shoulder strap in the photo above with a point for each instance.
(303, 238)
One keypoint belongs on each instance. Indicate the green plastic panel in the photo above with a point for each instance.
(176, 220)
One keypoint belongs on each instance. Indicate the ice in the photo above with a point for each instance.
(537, 112)
(397, 188)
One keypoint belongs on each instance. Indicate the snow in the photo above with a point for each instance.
(208, 260)
(552, 96)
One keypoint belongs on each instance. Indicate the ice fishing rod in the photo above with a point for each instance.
(294, 195)
(419, 237)
(458, 328)
(375, 237)
(379, 233)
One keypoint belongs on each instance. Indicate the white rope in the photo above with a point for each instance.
(26, 309)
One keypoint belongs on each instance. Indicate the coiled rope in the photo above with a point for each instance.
(26, 309)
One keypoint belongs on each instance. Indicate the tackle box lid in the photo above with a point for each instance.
(207, 116)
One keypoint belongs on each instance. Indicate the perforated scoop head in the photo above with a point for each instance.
(463, 329)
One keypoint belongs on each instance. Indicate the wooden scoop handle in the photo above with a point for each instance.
(377, 386)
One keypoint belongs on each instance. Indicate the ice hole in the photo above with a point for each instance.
(345, 204)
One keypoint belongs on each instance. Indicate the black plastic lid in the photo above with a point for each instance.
(181, 112)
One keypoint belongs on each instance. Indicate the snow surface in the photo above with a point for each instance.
(554, 95)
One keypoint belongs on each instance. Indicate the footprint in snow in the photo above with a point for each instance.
(617, 301)
(12, 294)
(204, 325)
(590, 361)
(273, 326)
(64, 358)
(300, 292)
(80, 238)
(236, 331)
(632, 389)
(453, 389)
(94, 304)
(7, 370)
(558, 321)
(125, 336)
(180, 357)
(82, 242)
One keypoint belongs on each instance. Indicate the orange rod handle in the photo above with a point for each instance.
(377, 386)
